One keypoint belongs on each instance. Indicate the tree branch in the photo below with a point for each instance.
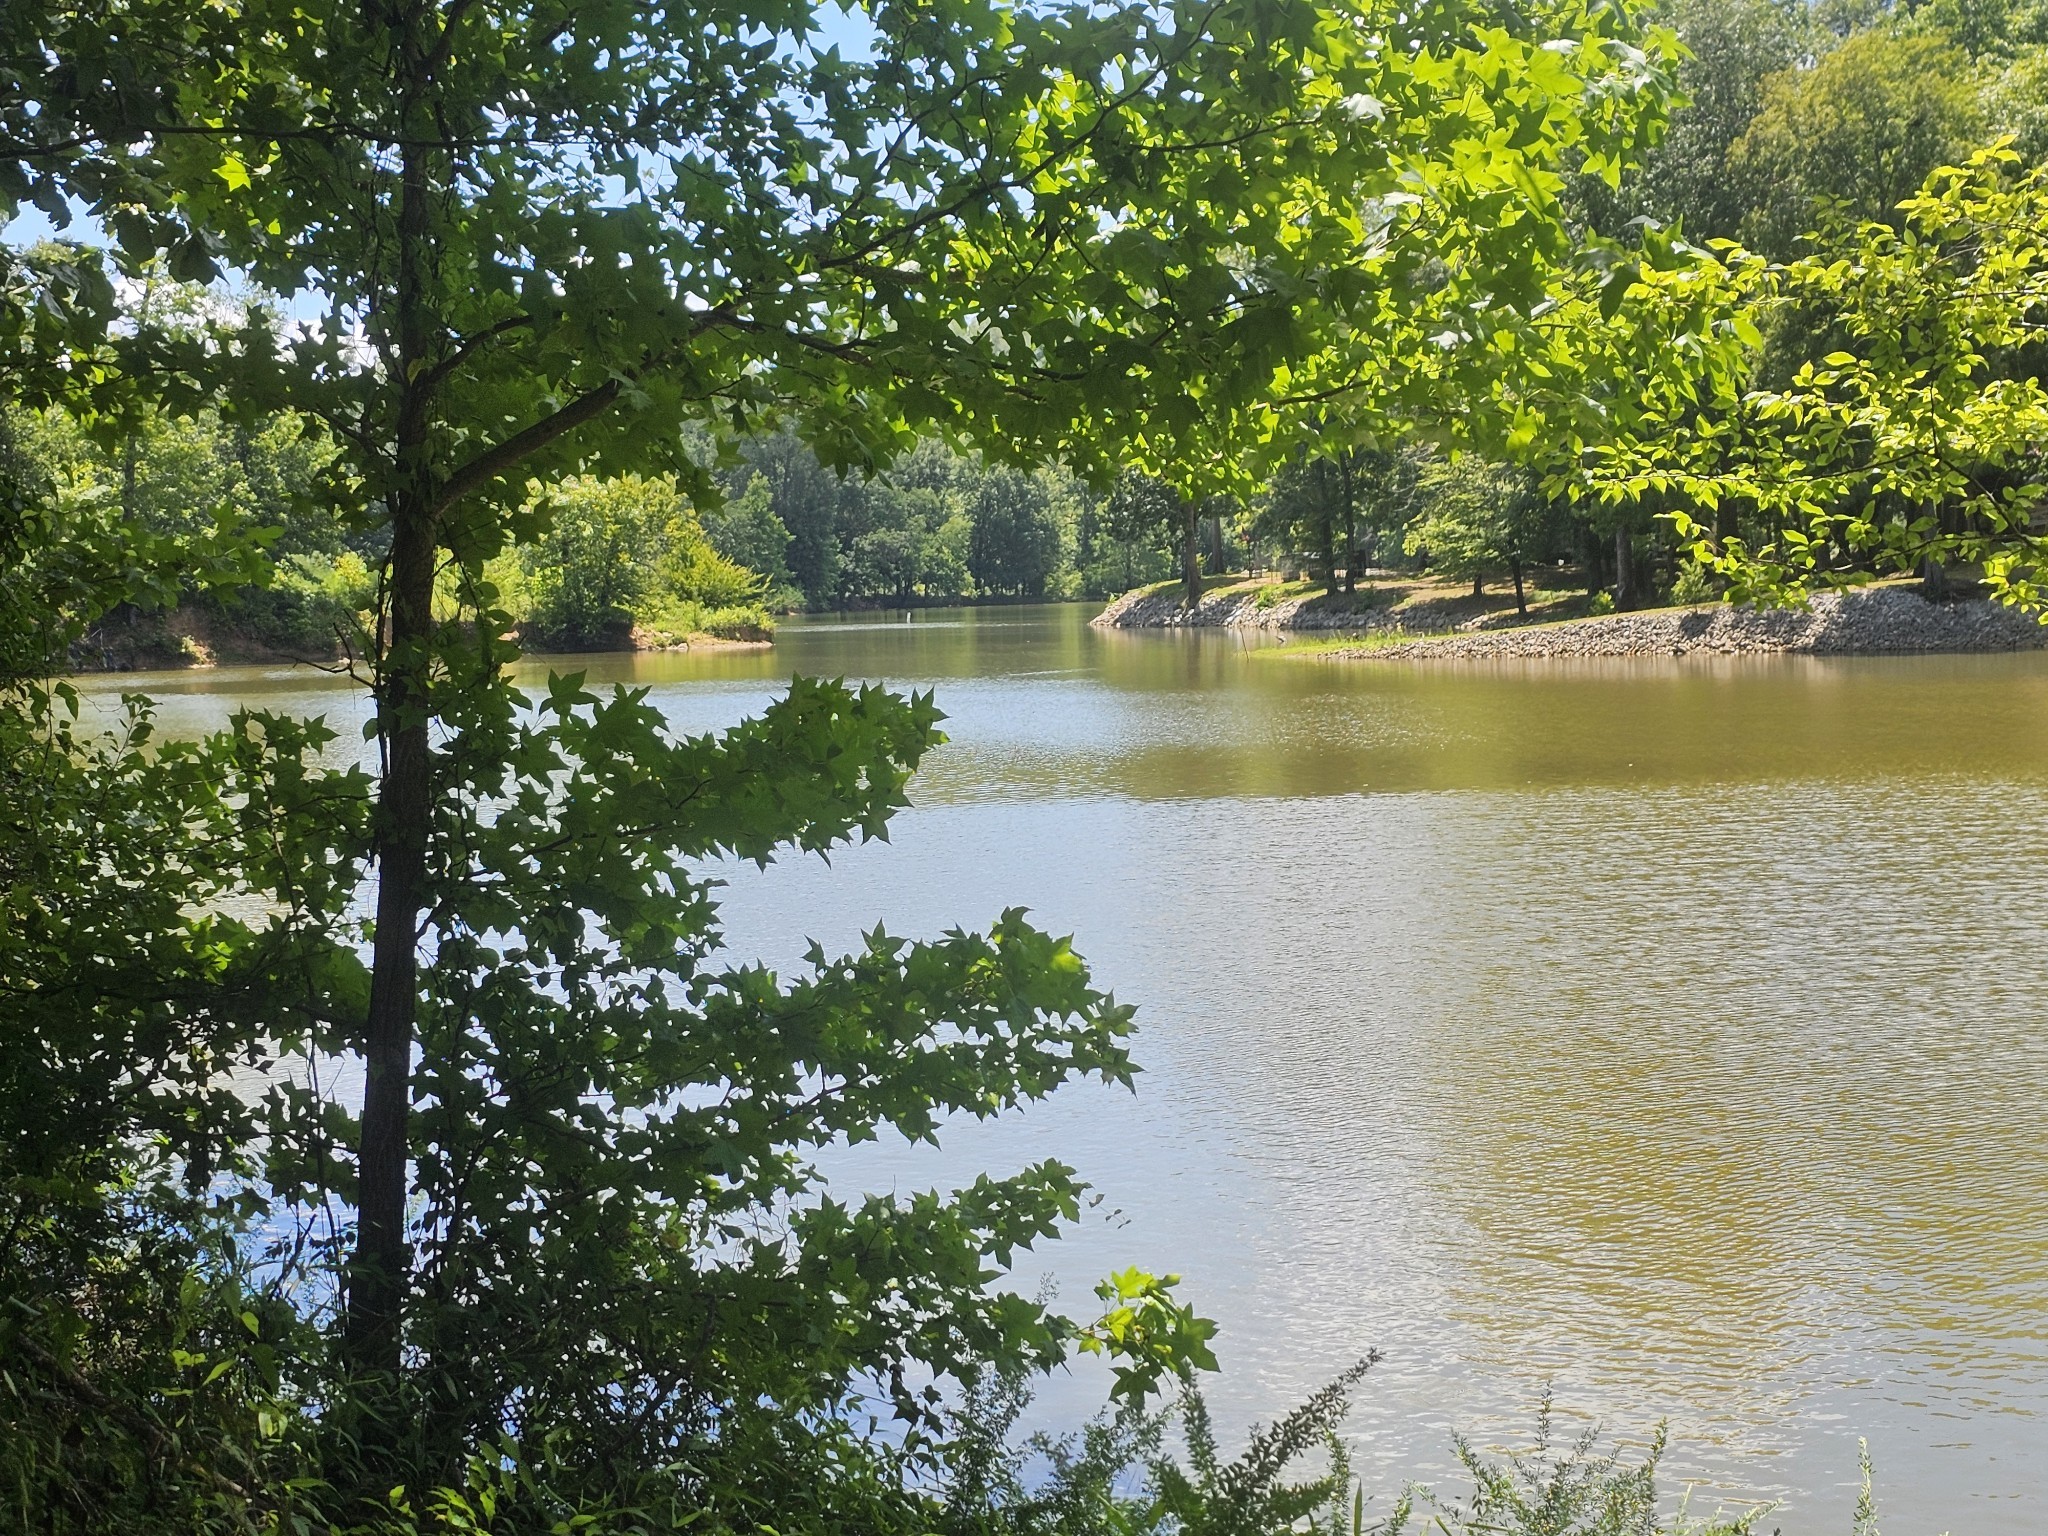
(469, 344)
(516, 449)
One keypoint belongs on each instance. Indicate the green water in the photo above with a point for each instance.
(1669, 1033)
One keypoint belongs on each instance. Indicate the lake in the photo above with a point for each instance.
(1666, 1034)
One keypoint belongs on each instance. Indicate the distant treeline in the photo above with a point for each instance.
(1797, 115)
(943, 526)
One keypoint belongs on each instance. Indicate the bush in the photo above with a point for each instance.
(697, 573)
(315, 604)
(739, 621)
(1580, 1492)
(1117, 1477)
(620, 553)
(676, 623)
(147, 1387)
(1695, 584)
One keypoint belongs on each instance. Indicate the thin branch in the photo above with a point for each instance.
(468, 345)
(516, 449)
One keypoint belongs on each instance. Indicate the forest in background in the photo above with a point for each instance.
(1796, 116)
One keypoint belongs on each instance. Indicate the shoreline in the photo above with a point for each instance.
(1870, 621)
(1882, 622)
(1254, 604)
(193, 648)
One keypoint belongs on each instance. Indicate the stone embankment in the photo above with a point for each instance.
(1875, 622)
(1238, 607)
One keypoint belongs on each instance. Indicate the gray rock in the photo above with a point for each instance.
(1874, 622)
(1869, 622)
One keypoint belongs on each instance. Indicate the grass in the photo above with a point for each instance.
(1274, 593)
(1330, 645)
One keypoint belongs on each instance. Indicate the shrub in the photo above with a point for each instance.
(314, 603)
(675, 623)
(1576, 1492)
(1116, 1475)
(620, 553)
(1694, 584)
(697, 573)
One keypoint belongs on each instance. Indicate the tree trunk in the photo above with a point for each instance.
(380, 1269)
(1933, 574)
(1478, 584)
(1349, 502)
(1933, 579)
(377, 1276)
(1521, 598)
(1191, 553)
(1624, 567)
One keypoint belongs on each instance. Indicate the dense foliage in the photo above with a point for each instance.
(1915, 439)
(1853, 391)
(398, 1143)
(391, 1142)
(1870, 401)
(1805, 134)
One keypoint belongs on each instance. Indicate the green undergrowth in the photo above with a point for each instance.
(1338, 645)
(1274, 593)
(676, 623)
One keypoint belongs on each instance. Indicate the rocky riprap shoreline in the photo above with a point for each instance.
(1874, 621)
(1877, 622)
(1238, 607)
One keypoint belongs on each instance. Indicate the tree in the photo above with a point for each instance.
(1733, 48)
(1916, 440)
(1015, 544)
(1324, 501)
(546, 237)
(1143, 509)
(745, 530)
(1386, 487)
(611, 553)
(1480, 517)
(892, 554)
(1312, 505)
(1124, 536)
(178, 474)
(1862, 128)
(812, 502)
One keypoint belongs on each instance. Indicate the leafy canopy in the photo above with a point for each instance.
(575, 1218)
(1916, 436)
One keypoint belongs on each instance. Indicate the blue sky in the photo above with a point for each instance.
(849, 31)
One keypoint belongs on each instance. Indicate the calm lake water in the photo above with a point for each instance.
(1667, 1034)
